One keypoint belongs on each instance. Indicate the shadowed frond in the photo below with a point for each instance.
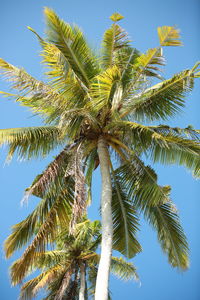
(141, 184)
(125, 221)
(123, 269)
(30, 141)
(126, 59)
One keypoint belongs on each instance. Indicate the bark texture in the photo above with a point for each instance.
(101, 292)
(82, 283)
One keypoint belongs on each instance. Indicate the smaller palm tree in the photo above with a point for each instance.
(69, 270)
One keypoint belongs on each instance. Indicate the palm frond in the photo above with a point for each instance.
(123, 269)
(30, 289)
(126, 59)
(115, 39)
(103, 88)
(147, 63)
(125, 221)
(23, 231)
(140, 182)
(170, 234)
(55, 172)
(169, 36)
(30, 141)
(32, 93)
(162, 100)
(46, 233)
(167, 149)
(71, 42)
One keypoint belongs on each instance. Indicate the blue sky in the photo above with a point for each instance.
(20, 47)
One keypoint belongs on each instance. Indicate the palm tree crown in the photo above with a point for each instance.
(98, 106)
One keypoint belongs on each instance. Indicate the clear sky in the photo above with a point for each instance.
(20, 47)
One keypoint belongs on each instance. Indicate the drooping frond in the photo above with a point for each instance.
(92, 163)
(55, 171)
(162, 100)
(71, 42)
(123, 269)
(170, 234)
(125, 221)
(30, 289)
(169, 36)
(23, 231)
(46, 233)
(30, 141)
(141, 184)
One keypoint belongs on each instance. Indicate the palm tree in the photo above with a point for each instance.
(66, 270)
(98, 108)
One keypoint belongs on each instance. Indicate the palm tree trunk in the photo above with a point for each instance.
(101, 292)
(82, 282)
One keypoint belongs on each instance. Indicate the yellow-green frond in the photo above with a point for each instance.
(169, 36)
(30, 141)
(116, 17)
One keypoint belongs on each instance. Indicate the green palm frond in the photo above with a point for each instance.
(170, 234)
(167, 149)
(123, 269)
(125, 221)
(30, 141)
(23, 231)
(169, 36)
(188, 132)
(115, 39)
(162, 100)
(71, 42)
(103, 88)
(141, 184)
(126, 59)
(32, 92)
(146, 64)
(91, 163)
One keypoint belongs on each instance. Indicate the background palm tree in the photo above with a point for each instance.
(95, 105)
(69, 270)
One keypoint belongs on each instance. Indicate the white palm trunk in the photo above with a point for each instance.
(101, 292)
(82, 283)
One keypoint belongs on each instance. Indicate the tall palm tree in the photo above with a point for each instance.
(98, 108)
(69, 270)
